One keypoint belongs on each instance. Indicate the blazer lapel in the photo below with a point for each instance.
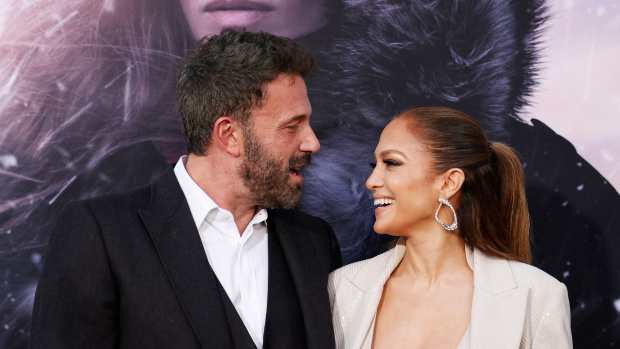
(499, 306)
(170, 225)
(365, 288)
(310, 285)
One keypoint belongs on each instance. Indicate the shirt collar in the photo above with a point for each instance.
(200, 204)
(259, 217)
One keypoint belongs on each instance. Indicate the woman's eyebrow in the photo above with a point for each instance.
(388, 151)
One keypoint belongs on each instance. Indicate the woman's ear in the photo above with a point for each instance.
(452, 182)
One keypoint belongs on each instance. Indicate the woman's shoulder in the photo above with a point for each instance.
(542, 287)
(498, 273)
(544, 298)
(532, 277)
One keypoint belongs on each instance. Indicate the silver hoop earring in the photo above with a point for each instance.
(449, 227)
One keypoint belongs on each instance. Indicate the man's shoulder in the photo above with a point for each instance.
(297, 216)
(135, 198)
(111, 207)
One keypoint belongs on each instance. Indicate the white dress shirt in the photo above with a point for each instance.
(239, 260)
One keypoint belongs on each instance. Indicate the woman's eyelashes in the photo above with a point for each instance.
(392, 162)
(387, 162)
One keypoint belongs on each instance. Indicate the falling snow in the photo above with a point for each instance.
(36, 258)
(8, 161)
(61, 87)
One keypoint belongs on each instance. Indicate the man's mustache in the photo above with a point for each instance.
(298, 162)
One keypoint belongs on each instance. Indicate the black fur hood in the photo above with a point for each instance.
(479, 56)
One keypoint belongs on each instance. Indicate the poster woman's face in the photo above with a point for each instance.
(290, 18)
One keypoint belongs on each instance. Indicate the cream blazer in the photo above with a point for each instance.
(515, 305)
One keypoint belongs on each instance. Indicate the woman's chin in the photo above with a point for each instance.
(385, 229)
(381, 229)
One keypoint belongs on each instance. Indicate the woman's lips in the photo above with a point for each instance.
(236, 18)
(238, 5)
(236, 13)
(381, 209)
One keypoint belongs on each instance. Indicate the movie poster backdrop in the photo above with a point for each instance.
(87, 108)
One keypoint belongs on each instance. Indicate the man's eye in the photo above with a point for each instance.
(373, 164)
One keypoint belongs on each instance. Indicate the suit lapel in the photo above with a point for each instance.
(357, 318)
(170, 225)
(310, 285)
(366, 289)
(499, 306)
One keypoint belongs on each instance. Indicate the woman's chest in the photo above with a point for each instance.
(421, 319)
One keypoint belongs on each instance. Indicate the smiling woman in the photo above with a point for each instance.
(290, 18)
(428, 158)
(457, 203)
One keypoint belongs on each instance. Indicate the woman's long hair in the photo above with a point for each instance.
(492, 208)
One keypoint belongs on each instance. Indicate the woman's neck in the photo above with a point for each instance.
(432, 254)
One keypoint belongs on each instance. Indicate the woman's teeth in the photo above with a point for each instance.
(383, 202)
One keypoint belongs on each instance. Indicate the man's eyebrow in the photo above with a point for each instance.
(296, 118)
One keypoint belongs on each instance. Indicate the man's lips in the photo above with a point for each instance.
(240, 5)
(296, 171)
(298, 163)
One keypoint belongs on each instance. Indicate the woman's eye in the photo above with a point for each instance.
(390, 162)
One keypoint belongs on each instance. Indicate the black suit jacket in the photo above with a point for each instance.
(129, 271)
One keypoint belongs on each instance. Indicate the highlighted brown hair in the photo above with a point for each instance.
(492, 208)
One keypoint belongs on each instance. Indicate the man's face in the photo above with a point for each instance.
(278, 143)
(289, 18)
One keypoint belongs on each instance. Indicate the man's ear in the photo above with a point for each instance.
(452, 182)
(228, 136)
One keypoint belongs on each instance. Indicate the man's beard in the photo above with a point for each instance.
(267, 178)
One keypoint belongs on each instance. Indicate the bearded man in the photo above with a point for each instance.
(212, 254)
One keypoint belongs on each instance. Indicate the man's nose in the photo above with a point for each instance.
(310, 142)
